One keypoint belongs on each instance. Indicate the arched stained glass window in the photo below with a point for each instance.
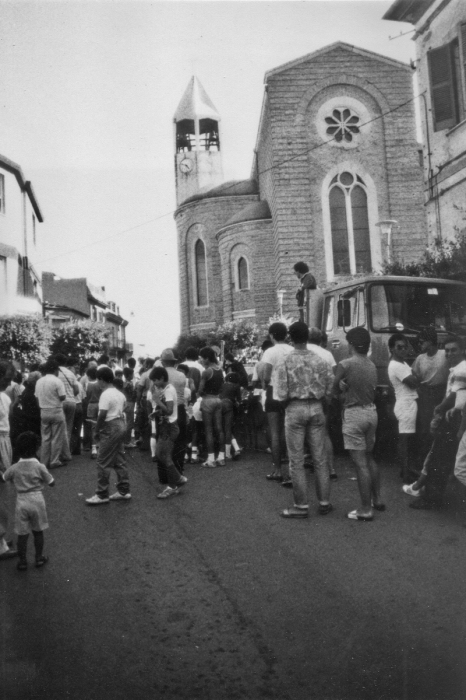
(201, 274)
(243, 274)
(350, 225)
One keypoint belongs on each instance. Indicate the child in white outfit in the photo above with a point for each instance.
(28, 477)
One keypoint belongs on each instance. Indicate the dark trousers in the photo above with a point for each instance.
(440, 461)
(167, 435)
(429, 398)
(181, 442)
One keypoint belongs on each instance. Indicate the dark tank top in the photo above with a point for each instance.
(212, 385)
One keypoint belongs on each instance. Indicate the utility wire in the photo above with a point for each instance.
(233, 185)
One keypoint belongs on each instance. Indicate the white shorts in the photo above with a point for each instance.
(30, 513)
(406, 412)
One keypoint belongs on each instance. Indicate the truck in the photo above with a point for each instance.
(385, 305)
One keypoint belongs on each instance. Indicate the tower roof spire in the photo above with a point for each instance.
(196, 104)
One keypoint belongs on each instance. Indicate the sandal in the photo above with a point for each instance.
(354, 515)
(274, 477)
(326, 508)
(41, 561)
(298, 514)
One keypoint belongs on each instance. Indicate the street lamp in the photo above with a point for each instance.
(280, 295)
(386, 226)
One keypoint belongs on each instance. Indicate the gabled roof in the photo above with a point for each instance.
(333, 47)
(25, 185)
(408, 10)
(196, 104)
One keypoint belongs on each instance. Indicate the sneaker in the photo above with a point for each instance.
(117, 496)
(325, 508)
(96, 500)
(210, 465)
(408, 488)
(220, 462)
(94, 454)
(22, 565)
(167, 492)
(183, 480)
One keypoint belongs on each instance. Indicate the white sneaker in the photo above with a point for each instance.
(167, 492)
(221, 462)
(96, 500)
(408, 488)
(183, 480)
(117, 496)
(210, 465)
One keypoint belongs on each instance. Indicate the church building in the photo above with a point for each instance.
(336, 154)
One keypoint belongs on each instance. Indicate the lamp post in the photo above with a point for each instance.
(386, 226)
(280, 295)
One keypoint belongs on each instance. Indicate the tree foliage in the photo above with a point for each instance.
(80, 339)
(444, 258)
(24, 339)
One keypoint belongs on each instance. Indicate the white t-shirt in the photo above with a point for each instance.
(48, 390)
(272, 356)
(397, 371)
(457, 383)
(112, 401)
(169, 394)
(69, 381)
(323, 353)
(432, 370)
(5, 403)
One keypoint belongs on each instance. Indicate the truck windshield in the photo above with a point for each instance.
(411, 307)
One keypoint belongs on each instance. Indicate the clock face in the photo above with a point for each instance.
(186, 165)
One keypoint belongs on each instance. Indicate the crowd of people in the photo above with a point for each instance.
(187, 411)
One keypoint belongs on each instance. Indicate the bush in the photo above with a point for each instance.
(444, 258)
(24, 339)
(237, 335)
(80, 339)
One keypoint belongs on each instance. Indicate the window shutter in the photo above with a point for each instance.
(442, 88)
(463, 61)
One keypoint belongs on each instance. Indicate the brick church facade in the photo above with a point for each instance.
(335, 154)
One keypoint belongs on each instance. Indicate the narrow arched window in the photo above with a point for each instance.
(350, 225)
(243, 274)
(201, 274)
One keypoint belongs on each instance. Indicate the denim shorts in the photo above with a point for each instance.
(359, 426)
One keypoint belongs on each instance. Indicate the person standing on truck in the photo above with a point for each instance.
(356, 377)
(405, 386)
(307, 280)
(431, 369)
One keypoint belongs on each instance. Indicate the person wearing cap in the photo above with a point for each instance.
(405, 384)
(431, 370)
(303, 382)
(307, 281)
(356, 378)
(178, 380)
(142, 410)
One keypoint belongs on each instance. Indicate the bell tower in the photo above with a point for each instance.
(198, 159)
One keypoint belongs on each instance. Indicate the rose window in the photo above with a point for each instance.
(342, 125)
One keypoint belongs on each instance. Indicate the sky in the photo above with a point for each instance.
(88, 91)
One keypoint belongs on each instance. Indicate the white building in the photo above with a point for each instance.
(440, 36)
(20, 283)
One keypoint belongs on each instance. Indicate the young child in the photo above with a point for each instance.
(28, 477)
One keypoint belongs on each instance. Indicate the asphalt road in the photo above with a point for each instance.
(212, 595)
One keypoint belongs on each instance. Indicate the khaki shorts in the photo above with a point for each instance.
(359, 426)
(30, 513)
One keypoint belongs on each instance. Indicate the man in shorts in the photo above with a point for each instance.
(356, 378)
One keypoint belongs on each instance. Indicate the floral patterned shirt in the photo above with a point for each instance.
(303, 375)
